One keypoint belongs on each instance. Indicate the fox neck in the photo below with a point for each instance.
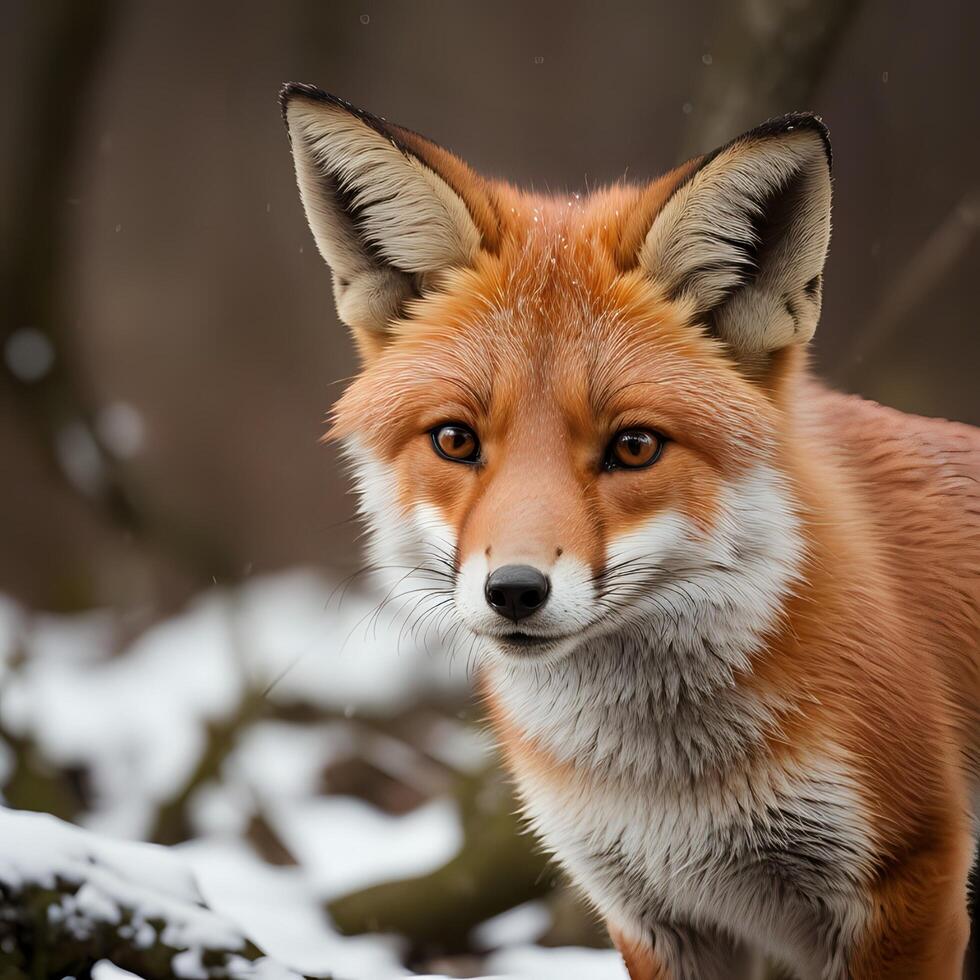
(672, 695)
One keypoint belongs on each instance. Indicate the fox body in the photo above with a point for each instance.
(727, 620)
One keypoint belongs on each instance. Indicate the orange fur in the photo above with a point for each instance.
(882, 643)
(551, 342)
(640, 958)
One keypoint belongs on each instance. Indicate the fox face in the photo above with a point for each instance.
(568, 425)
(586, 446)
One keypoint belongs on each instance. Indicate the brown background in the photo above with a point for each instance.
(151, 229)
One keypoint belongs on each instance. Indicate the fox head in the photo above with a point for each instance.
(567, 421)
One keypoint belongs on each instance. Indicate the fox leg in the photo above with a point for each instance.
(920, 926)
(675, 952)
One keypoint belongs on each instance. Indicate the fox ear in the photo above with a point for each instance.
(389, 210)
(742, 238)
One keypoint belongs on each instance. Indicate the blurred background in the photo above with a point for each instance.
(188, 653)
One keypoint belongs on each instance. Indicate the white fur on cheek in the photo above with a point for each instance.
(470, 600)
(651, 687)
(410, 549)
(725, 587)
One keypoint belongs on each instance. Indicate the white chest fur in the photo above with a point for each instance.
(773, 858)
(676, 817)
(669, 809)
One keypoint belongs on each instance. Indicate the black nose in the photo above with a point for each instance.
(516, 591)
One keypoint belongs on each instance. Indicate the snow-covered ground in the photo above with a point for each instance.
(138, 724)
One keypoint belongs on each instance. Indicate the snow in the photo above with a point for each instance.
(347, 844)
(286, 760)
(324, 644)
(282, 913)
(104, 970)
(81, 707)
(522, 924)
(145, 880)
(277, 906)
(462, 747)
(283, 631)
(135, 720)
(566, 963)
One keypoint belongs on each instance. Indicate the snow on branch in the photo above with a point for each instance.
(70, 899)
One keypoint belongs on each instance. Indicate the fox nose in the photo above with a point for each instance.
(516, 591)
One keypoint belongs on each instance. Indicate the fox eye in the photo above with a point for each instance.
(457, 443)
(633, 449)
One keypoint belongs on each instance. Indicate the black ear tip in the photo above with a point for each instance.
(780, 125)
(300, 90)
(292, 91)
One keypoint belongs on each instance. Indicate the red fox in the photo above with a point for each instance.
(727, 620)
